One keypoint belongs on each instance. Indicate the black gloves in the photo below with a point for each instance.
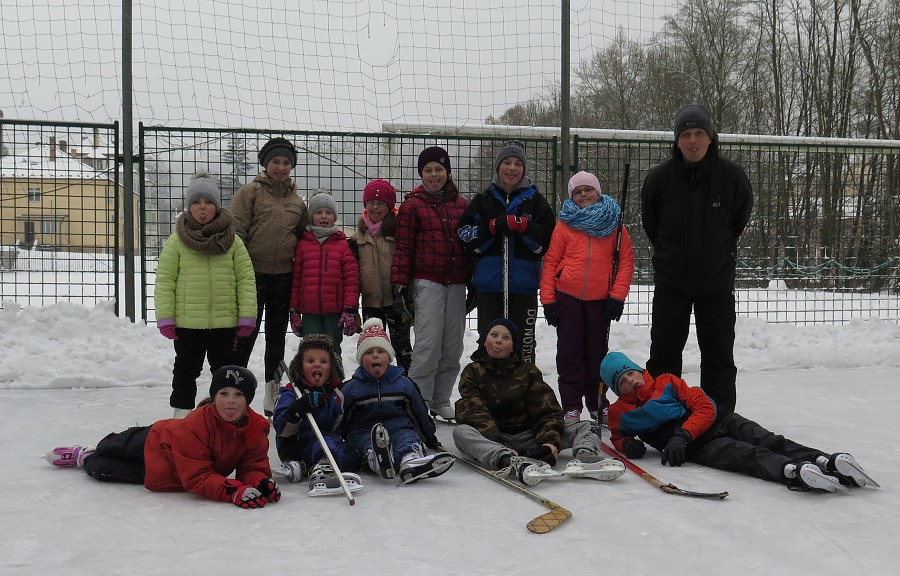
(675, 452)
(551, 314)
(542, 453)
(633, 448)
(613, 309)
(401, 304)
(269, 489)
(307, 402)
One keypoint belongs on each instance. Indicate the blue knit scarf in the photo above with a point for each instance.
(598, 220)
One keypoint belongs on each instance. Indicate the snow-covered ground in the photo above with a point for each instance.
(72, 374)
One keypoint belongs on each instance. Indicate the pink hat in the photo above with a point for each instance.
(380, 190)
(373, 336)
(584, 179)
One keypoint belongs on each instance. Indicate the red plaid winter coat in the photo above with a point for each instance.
(428, 245)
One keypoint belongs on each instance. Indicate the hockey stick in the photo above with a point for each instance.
(326, 450)
(540, 525)
(667, 488)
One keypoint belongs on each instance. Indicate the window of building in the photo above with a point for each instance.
(34, 194)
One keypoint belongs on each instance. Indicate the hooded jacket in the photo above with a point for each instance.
(198, 453)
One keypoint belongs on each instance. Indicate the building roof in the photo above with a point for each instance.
(36, 164)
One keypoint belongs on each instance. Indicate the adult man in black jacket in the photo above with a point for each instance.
(694, 207)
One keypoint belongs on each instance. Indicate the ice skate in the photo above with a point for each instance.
(324, 482)
(848, 471)
(381, 460)
(605, 469)
(416, 466)
(291, 470)
(445, 413)
(808, 476)
(69, 456)
(531, 472)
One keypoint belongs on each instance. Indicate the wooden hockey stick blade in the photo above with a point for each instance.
(668, 488)
(540, 525)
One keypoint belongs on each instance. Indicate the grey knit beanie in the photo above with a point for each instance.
(510, 149)
(202, 184)
(321, 198)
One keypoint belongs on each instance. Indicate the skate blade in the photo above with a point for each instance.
(607, 473)
(851, 469)
(353, 484)
(818, 480)
(437, 466)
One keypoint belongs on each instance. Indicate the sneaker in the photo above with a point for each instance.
(531, 472)
(572, 416)
(291, 470)
(324, 482)
(180, 413)
(417, 466)
(69, 456)
(593, 466)
(380, 457)
(845, 468)
(269, 398)
(807, 476)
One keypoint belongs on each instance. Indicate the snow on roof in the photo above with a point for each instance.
(36, 164)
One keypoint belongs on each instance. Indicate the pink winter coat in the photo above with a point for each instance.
(326, 275)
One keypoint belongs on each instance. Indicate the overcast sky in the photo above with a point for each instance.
(335, 65)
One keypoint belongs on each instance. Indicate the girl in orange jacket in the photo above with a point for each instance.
(579, 293)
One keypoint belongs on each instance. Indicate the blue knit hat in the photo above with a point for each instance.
(513, 331)
(613, 366)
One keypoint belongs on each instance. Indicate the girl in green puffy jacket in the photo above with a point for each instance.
(205, 290)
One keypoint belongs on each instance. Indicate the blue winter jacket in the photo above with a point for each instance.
(328, 418)
(526, 250)
(392, 400)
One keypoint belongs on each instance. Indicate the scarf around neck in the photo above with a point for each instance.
(213, 238)
(374, 227)
(598, 220)
(321, 233)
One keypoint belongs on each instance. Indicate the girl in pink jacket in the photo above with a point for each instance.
(579, 293)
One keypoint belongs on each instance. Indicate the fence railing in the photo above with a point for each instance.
(822, 245)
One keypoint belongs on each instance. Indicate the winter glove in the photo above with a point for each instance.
(307, 402)
(613, 309)
(517, 223)
(499, 226)
(675, 451)
(248, 497)
(633, 448)
(432, 443)
(542, 453)
(347, 323)
(296, 323)
(166, 327)
(551, 314)
(245, 327)
(269, 489)
(401, 304)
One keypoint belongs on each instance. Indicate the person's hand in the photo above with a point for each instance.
(401, 304)
(544, 453)
(347, 322)
(516, 223)
(245, 327)
(248, 497)
(633, 448)
(296, 323)
(499, 226)
(675, 452)
(613, 309)
(307, 402)
(166, 327)
(269, 489)
(551, 314)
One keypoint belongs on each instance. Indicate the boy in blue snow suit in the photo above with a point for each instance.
(315, 372)
(682, 422)
(385, 417)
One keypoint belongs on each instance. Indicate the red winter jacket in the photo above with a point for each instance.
(326, 275)
(428, 244)
(198, 453)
